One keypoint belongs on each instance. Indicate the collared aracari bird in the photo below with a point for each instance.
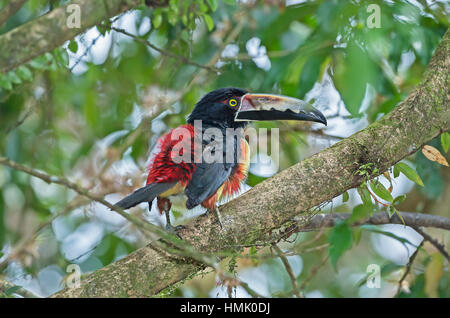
(201, 182)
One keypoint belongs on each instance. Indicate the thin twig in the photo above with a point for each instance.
(21, 120)
(86, 51)
(289, 270)
(433, 241)
(164, 52)
(408, 267)
(313, 272)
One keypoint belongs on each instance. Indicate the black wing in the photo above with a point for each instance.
(144, 194)
(207, 178)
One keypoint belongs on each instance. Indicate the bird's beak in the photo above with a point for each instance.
(276, 107)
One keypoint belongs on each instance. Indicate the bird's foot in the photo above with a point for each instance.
(175, 229)
(219, 217)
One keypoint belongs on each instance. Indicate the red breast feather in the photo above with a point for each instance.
(162, 168)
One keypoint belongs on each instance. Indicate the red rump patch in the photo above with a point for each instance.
(172, 145)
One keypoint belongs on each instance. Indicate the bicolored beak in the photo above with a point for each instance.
(276, 107)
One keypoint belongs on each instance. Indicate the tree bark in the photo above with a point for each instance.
(412, 219)
(250, 218)
(50, 31)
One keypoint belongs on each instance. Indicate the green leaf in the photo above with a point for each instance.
(157, 19)
(396, 172)
(392, 210)
(357, 232)
(340, 240)
(73, 46)
(345, 196)
(61, 57)
(5, 82)
(376, 229)
(399, 199)
(172, 17)
(104, 27)
(445, 141)
(360, 212)
(12, 290)
(354, 70)
(365, 195)
(25, 73)
(209, 22)
(409, 172)
(42, 62)
(379, 189)
(230, 2)
(213, 4)
(14, 78)
(310, 74)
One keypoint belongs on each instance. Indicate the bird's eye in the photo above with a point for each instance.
(232, 102)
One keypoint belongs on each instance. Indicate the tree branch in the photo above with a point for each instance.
(422, 116)
(7, 287)
(411, 219)
(408, 268)
(10, 9)
(432, 241)
(289, 270)
(50, 31)
(164, 52)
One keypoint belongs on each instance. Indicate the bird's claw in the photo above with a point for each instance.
(174, 229)
(219, 217)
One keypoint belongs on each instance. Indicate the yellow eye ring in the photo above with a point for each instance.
(232, 102)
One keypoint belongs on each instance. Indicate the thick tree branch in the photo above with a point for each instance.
(423, 115)
(50, 31)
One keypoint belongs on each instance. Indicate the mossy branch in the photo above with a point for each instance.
(51, 30)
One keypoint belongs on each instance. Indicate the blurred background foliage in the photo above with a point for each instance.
(93, 109)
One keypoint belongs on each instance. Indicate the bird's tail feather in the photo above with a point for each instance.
(144, 194)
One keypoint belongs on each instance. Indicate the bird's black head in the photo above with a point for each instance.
(233, 107)
(218, 108)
